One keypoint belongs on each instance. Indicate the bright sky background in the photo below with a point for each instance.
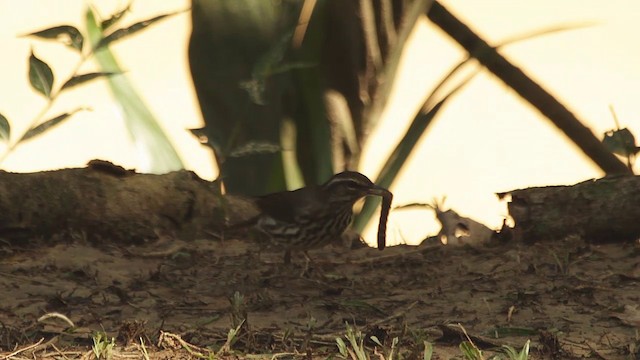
(485, 141)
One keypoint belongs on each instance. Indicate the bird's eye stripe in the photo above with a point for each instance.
(350, 180)
(347, 182)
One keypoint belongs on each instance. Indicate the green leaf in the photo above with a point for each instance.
(621, 142)
(124, 32)
(513, 354)
(199, 132)
(375, 340)
(40, 75)
(5, 128)
(48, 125)
(255, 147)
(106, 24)
(65, 34)
(83, 78)
(502, 332)
(204, 138)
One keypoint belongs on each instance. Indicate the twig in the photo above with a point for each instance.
(527, 88)
(396, 314)
(22, 350)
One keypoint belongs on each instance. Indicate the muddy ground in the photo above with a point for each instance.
(570, 298)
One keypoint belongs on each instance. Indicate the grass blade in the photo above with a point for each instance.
(402, 151)
(416, 9)
(422, 120)
(155, 149)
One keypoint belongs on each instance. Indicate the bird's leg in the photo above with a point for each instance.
(305, 269)
(308, 263)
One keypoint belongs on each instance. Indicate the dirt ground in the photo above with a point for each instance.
(570, 298)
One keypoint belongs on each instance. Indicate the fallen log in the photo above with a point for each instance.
(105, 202)
(606, 209)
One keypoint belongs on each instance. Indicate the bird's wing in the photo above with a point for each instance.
(290, 206)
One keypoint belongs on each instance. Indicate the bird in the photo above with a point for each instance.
(314, 216)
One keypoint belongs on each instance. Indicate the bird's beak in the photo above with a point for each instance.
(378, 191)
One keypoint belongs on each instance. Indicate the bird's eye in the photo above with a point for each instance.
(352, 185)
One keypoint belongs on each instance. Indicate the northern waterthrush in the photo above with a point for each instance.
(314, 216)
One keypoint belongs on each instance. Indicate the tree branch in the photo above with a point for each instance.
(528, 89)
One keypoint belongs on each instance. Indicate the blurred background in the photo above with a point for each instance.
(484, 140)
